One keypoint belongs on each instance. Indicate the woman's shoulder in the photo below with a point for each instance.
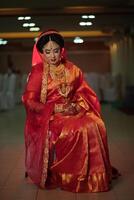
(36, 71)
(37, 67)
(73, 69)
(71, 65)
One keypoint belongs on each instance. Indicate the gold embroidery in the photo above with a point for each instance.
(44, 83)
(98, 181)
(66, 178)
(45, 162)
(59, 74)
(43, 100)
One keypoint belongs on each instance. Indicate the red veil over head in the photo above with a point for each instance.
(36, 57)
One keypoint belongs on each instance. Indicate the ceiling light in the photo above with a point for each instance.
(27, 18)
(32, 24)
(20, 18)
(78, 40)
(91, 16)
(84, 16)
(85, 23)
(89, 23)
(34, 29)
(88, 16)
(24, 18)
(3, 42)
(82, 23)
(28, 24)
(25, 25)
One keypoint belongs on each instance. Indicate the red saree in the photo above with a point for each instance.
(65, 149)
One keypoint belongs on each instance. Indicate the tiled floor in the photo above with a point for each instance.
(13, 185)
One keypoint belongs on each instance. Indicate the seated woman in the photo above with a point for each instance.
(65, 137)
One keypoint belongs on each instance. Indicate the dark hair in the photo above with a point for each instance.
(46, 38)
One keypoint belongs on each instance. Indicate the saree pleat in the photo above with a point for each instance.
(80, 158)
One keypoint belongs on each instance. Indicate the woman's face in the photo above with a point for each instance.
(52, 53)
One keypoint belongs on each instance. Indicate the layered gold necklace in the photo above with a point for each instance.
(57, 74)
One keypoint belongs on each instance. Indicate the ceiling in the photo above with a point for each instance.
(112, 18)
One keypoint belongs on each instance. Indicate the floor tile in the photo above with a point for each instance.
(97, 196)
(55, 195)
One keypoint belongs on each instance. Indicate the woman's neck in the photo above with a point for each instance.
(56, 65)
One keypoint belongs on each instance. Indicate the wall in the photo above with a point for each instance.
(122, 60)
(91, 61)
(21, 61)
(88, 60)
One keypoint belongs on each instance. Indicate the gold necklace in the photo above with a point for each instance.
(59, 74)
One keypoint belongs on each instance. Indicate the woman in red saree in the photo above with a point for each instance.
(65, 137)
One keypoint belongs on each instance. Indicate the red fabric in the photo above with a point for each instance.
(36, 127)
(78, 158)
(36, 58)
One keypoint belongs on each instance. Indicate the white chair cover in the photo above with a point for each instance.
(7, 98)
(109, 88)
(93, 79)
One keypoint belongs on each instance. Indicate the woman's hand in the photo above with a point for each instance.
(70, 109)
